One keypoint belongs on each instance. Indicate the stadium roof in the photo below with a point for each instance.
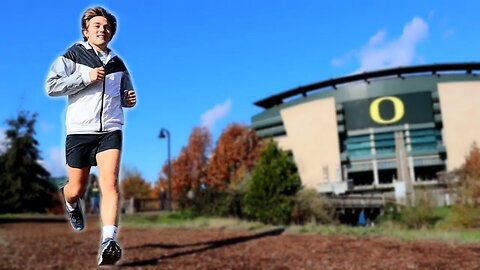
(400, 72)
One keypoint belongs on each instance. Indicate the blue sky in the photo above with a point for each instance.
(206, 62)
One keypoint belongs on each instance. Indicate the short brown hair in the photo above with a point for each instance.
(98, 11)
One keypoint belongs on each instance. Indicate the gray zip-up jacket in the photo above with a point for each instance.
(92, 107)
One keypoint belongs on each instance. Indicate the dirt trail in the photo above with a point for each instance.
(53, 245)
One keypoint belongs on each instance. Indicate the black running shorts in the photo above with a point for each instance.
(81, 149)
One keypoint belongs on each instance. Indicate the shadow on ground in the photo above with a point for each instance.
(33, 219)
(209, 245)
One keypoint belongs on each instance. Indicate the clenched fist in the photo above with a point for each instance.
(97, 74)
(130, 97)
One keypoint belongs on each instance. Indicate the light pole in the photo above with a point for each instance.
(165, 133)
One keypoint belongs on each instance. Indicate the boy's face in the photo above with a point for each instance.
(98, 32)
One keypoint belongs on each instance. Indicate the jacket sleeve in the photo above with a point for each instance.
(126, 84)
(65, 79)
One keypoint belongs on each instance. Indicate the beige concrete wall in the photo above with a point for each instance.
(312, 136)
(460, 107)
(283, 143)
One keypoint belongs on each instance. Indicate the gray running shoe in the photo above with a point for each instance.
(76, 216)
(110, 252)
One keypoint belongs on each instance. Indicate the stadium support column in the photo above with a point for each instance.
(376, 180)
(402, 166)
(411, 165)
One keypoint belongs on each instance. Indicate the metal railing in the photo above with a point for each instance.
(136, 205)
(358, 201)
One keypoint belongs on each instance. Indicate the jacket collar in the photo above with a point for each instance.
(87, 46)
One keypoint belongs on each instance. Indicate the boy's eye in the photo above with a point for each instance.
(107, 27)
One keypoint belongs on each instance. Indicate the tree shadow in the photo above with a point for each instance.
(209, 245)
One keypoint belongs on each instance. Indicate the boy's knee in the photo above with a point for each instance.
(110, 186)
(75, 192)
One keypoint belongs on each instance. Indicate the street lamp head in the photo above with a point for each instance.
(163, 133)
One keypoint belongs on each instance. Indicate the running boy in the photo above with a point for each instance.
(98, 85)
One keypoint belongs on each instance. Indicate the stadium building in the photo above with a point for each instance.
(383, 132)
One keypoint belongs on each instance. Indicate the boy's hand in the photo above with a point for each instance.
(97, 74)
(130, 97)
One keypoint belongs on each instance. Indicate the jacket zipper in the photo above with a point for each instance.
(103, 89)
(103, 97)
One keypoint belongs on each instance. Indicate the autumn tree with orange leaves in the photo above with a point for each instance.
(189, 169)
(470, 176)
(234, 156)
(162, 182)
(133, 185)
(466, 184)
(472, 162)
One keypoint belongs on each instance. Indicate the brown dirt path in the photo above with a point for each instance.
(53, 245)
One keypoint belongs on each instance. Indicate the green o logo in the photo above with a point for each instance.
(398, 109)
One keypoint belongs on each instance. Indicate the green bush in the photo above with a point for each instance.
(390, 213)
(419, 217)
(274, 182)
(423, 214)
(465, 216)
(216, 203)
(312, 207)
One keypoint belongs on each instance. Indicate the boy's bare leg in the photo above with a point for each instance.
(77, 183)
(108, 163)
(72, 191)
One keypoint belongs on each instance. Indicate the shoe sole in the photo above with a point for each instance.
(110, 254)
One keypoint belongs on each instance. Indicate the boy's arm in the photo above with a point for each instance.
(126, 86)
(64, 79)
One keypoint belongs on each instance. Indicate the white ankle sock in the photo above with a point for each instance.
(71, 206)
(109, 231)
